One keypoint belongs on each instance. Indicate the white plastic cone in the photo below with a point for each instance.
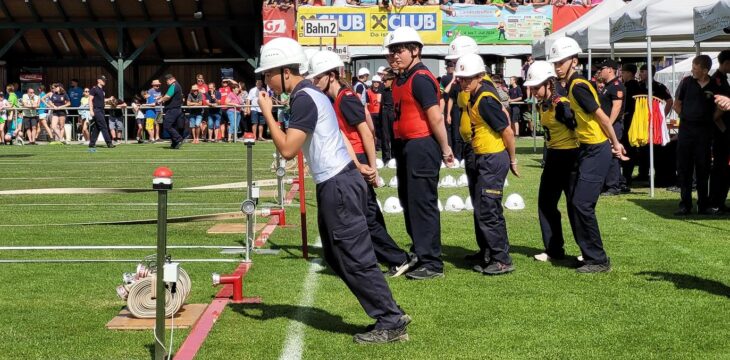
(514, 202)
(391, 164)
(379, 163)
(454, 204)
(441, 206)
(463, 181)
(392, 206)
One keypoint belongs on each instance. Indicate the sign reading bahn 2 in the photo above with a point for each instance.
(370, 25)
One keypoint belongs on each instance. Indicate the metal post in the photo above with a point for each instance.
(126, 135)
(590, 63)
(650, 102)
(612, 53)
(698, 49)
(674, 75)
(120, 78)
(162, 182)
(302, 206)
(280, 172)
(249, 182)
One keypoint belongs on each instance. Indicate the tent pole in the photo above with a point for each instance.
(590, 63)
(613, 55)
(674, 75)
(650, 102)
(698, 50)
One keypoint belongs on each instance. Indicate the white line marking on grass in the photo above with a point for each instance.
(294, 343)
(120, 204)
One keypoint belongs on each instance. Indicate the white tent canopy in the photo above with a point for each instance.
(664, 20)
(540, 47)
(712, 22)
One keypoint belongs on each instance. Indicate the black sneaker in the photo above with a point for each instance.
(594, 268)
(140, 141)
(625, 189)
(383, 336)
(403, 268)
(479, 267)
(683, 212)
(497, 268)
(610, 193)
(423, 273)
(111, 146)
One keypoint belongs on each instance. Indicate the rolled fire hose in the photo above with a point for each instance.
(139, 293)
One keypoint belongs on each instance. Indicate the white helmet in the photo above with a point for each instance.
(381, 69)
(539, 72)
(443, 165)
(514, 202)
(308, 53)
(469, 65)
(467, 203)
(323, 61)
(392, 205)
(447, 182)
(461, 46)
(393, 182)
(363, 71)
(391, 164)
(380, 182)
(379, 164)
(281, 52)
(463, 181)
(454, 203)
(403, 35)
(440, 206)
(563, 48)
(377, 78)
(462, 164)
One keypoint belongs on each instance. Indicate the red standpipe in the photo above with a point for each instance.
(281, 213)
(236, 280)
(302, 206)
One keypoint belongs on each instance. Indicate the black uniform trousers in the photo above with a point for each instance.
(174, 123)
(348, 250)
(613, 179)
(693, 157)
(386, 250)
(492, 169)
(99, 125)
(472, 175)
(386, 120)
(455, 140)
(720, 172)
(378, 124)
(558, 177)
(593, 163)
(419, 162)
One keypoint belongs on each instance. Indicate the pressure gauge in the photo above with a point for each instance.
(280, 171)
(248, 207)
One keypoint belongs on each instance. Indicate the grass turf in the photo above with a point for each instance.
(667, 297)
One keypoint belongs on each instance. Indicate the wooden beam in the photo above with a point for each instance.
(98, 47)
(11, 42)
(46, 34)
(183, 45)
(9, 16)
(147, 17)
(74, 36)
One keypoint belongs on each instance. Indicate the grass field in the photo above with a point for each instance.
(667, 297)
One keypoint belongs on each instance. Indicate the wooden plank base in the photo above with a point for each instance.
(184, 319)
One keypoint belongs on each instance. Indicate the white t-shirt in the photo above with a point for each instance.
(253, 97)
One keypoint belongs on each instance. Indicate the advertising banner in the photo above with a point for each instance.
(278, 23)
(370, 25)
(491, 24)
(564, 15)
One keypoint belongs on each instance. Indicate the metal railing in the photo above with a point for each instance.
(73, 119)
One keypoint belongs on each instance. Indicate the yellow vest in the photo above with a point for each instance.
(484, 140)
(462, 100)
(558, 135)
(589, 129)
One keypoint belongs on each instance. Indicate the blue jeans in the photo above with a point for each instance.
(234, 118)
(214, 121)
(195, 120)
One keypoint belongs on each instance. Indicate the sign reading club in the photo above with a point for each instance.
(346, 22)
(420, 22)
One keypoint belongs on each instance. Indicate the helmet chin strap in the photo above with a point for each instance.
(327, 88)
(283, 84)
